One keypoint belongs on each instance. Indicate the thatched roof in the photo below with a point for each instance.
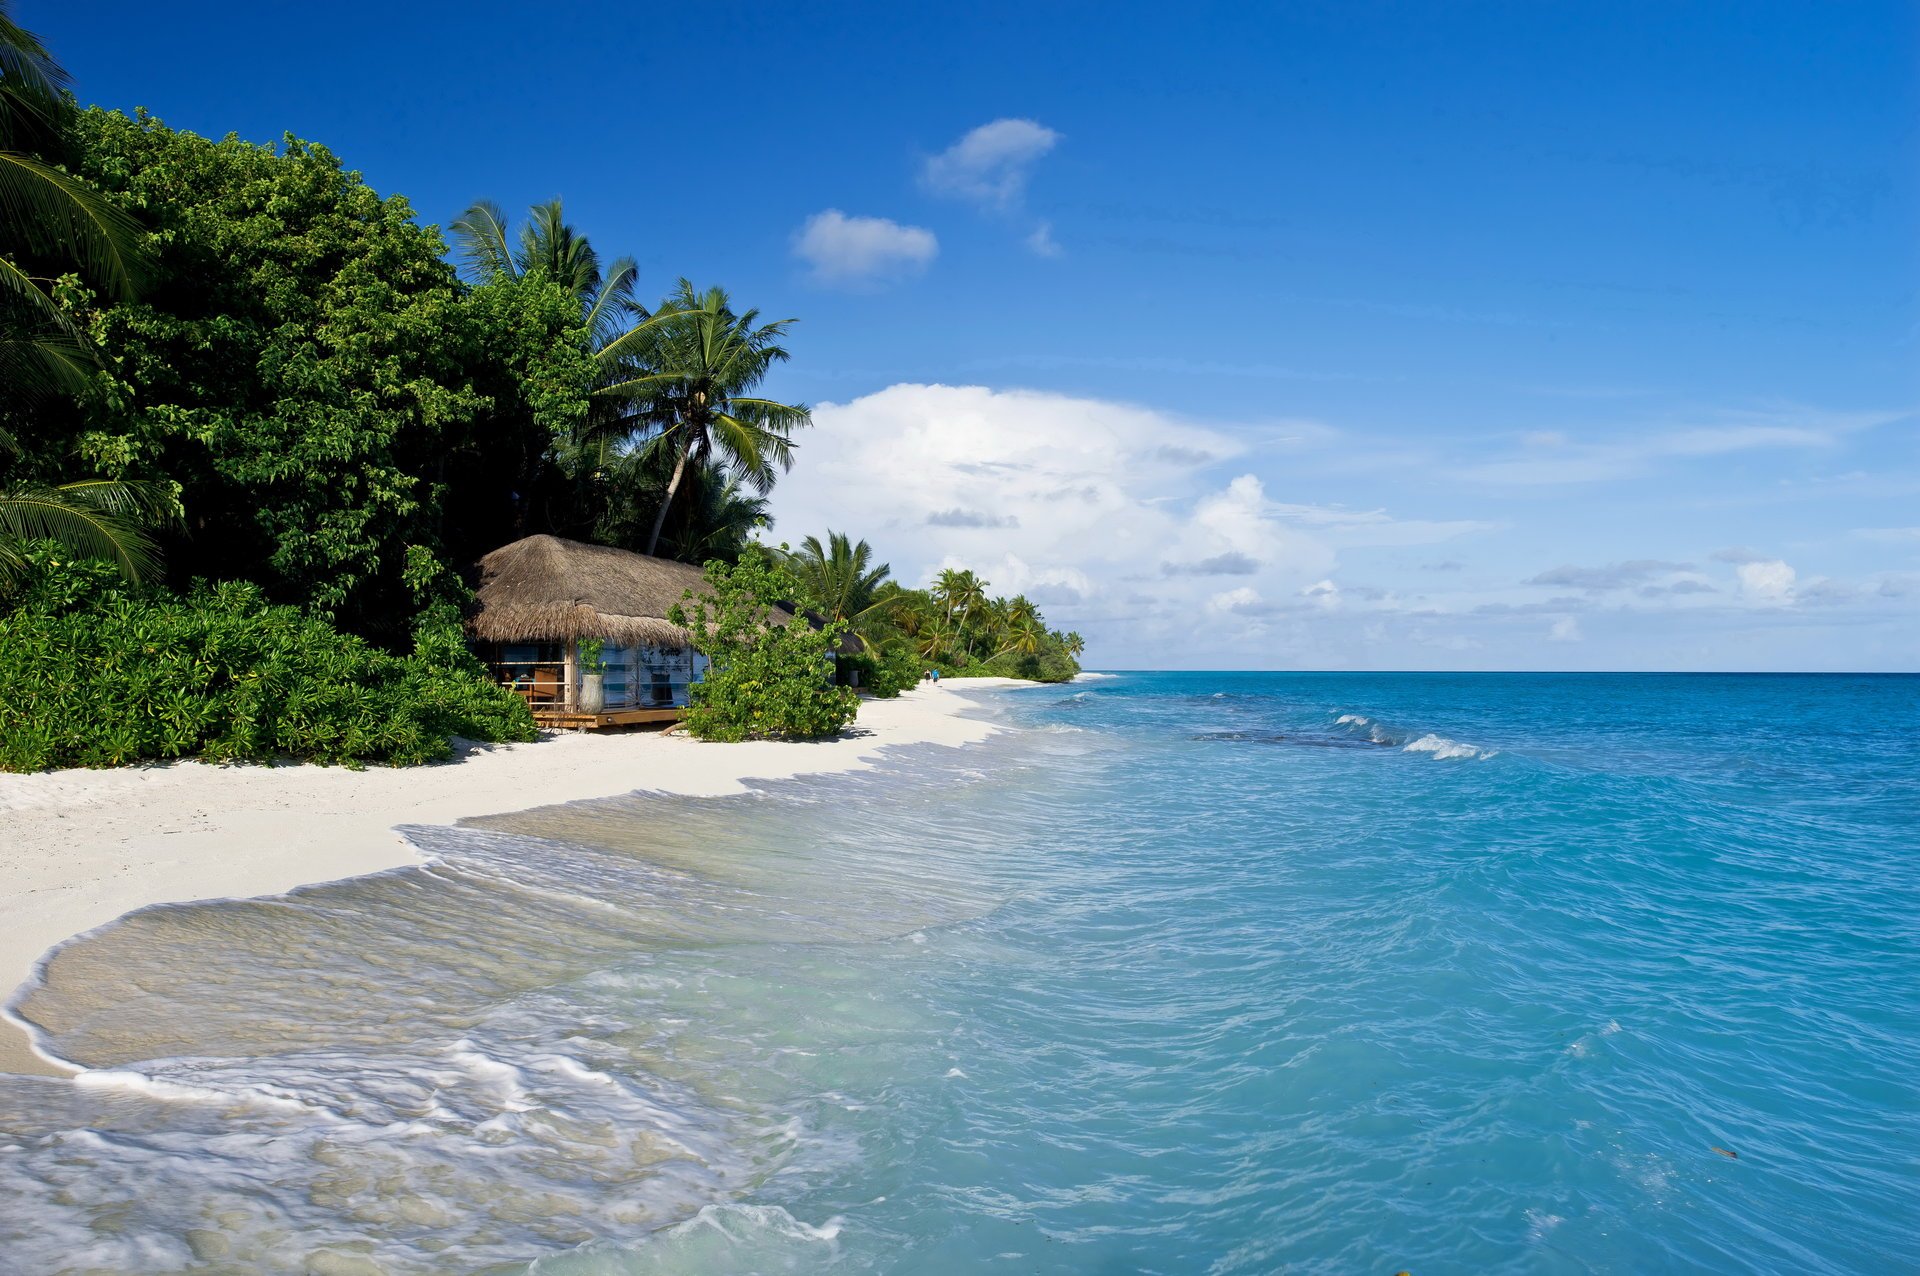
(545, 589)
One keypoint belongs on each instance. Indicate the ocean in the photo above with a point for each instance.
(1195, 972)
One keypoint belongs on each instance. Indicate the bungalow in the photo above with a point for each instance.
(543, 597)
(545, 602)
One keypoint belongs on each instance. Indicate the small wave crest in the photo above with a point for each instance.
(1431, 743)
(1443, 748)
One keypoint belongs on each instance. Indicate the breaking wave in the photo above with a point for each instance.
(1432, 743)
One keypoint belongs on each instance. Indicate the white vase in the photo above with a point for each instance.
(593, 692)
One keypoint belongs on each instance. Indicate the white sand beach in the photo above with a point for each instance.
(81, 848)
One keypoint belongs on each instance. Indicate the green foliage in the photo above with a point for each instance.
(102, 675)
(771, 676)
(691, 368)
(309, 370)
(591, 650)
(1046, 665)
(53, 224)
(885, 673)
(956, 626)
(97, 518)
(840, 575)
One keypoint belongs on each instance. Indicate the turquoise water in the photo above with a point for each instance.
(1190, 972)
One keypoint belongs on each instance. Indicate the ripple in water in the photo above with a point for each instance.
(1133, 996)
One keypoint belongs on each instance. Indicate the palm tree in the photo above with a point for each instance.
(696, 363)
(1073, 642)
(721, 517)
(1025, 638)
(840, 575)
(1019, 624)
(959, 592)
(548, 244)
(50, 220)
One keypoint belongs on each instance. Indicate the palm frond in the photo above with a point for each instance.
(53, 212)
(89, 520)
(480, 241)
(43, 360)
(32, 85)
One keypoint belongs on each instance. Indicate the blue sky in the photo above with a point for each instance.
(1313, 335)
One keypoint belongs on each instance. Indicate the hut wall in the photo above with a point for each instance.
(650, 677)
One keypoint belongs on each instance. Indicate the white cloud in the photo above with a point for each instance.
(1566, 629)
(1041, 242)
(1769, 581)
(1323, 593)
(862, 250)
(991, 164)
(1107, 514)
(1243, 599)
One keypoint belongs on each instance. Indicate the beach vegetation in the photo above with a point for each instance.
(57, 228)
(840, 576)
(955, 626)
(274, 409)
(695, 363)
(101, 673)
(771, 674)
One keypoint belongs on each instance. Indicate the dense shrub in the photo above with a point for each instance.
(885, 674)
(96, 675)
(769, 679)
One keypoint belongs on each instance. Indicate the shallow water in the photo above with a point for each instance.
(1200, 972)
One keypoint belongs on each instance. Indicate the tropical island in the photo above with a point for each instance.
(263, 428)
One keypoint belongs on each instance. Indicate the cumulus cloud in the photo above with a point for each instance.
(990, 165)
(1323, 594)
(862, 250)
(1242, 600)
(1565, 629)
(1768, 581)
(1089, 506)
(1040, 241)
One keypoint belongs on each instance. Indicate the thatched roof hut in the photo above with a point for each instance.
(546, 589)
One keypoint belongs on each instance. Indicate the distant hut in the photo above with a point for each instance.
(542, 597)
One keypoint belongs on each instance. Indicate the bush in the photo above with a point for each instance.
(769, 679)
(885, 674)
(97, 675)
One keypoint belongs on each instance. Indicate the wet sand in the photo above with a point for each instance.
(80, 848)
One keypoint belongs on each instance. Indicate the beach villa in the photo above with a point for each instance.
(581, 631)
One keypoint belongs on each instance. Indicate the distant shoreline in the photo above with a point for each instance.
(84, 848)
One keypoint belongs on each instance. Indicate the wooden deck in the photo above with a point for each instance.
(559, 719)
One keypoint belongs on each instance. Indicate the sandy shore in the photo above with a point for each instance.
(80, 848)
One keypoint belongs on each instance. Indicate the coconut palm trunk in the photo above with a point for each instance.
(666, 502)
